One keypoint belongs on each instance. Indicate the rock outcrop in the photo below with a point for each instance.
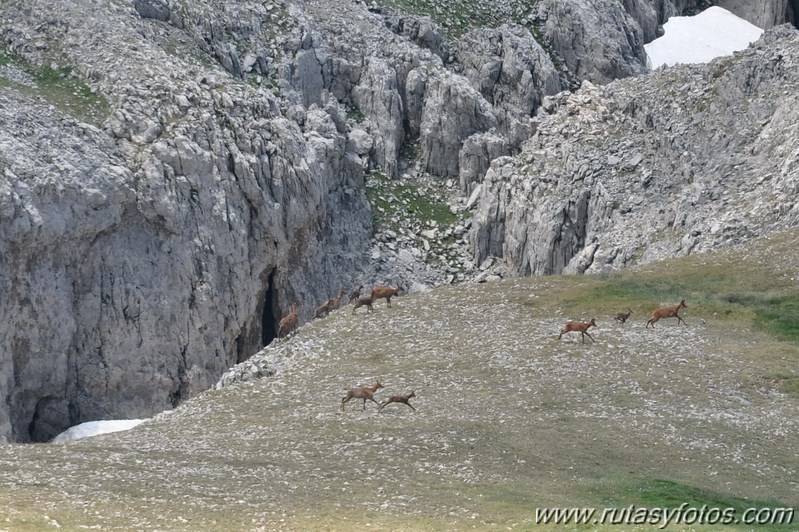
(688, 159)
(222, 179)
(598, 40)
(142, 259)
(510, 70)
(764, 14)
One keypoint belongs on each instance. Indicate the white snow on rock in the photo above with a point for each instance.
(715, 32)
(95, 428)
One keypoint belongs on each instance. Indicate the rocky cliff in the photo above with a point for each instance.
(688, 159)
(763, 14)
(142, 258)
(176, 174)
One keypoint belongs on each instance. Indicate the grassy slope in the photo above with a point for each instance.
(509, 418)
(60, 87)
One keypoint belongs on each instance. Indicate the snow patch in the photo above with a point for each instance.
(715, 32)
(95, 428)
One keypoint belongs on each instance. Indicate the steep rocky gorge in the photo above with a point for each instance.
(212, 171)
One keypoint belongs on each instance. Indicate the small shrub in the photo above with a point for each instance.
(355, 114)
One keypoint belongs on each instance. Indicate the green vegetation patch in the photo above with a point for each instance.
(355, 114)
(393, 199)
(736, 291)
(60, 87)
(700, 505)
(779, 315)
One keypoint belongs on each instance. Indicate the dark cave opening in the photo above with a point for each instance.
(268, 320)
(33, 426)
(793, 13)
(51, 416)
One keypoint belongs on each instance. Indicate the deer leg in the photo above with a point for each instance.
(388, 302)
(589, 335)
(344, 400)
(371, 399)
(411, 406)
(381, 406)
(679, 319)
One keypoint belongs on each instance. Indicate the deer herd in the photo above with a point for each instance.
(289, 322)
(621, 317)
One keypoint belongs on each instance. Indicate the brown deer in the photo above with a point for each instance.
(386, 292)
(581, 326)
(288, 322)
(399, 399)
(336, 303)
(364, 301)
(355, 294)
(667, 312)
(362, 393)
(323, 309)
(622, 317)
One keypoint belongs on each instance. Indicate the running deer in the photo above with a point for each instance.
(581, 326)
(667, 312)
(364, 301)
(355, 294)
(324, 309)
(336, 303)
(399, 399)
(362, 393)
(386, 292)
(288, 322)
(622, 317)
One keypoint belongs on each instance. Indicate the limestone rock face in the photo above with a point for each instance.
(689, 159)
(764, 14)
(452, 112)
(598, 40)
(476, 155)
(510, 70)
(142, 258)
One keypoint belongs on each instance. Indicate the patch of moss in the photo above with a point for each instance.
(59, 87)
(392, 199)
(355, 114)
